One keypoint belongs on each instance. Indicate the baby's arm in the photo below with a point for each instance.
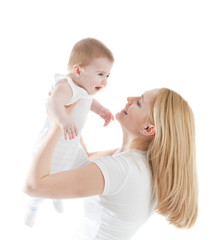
(103, 112)
(61, 95)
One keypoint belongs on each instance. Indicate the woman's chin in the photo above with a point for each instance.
(117, 116)
(120, 115)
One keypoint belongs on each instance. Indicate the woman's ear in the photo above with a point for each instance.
(77, 70)
(148, 130)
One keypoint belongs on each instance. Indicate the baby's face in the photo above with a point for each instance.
(94, 76)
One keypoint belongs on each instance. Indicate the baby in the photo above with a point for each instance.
(89, 68)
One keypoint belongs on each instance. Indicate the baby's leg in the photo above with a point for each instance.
(31, 212)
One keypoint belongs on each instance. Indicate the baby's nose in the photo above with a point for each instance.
(104, 82)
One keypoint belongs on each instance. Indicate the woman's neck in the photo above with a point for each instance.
(125, 141)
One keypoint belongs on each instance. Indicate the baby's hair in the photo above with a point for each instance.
(86, 50)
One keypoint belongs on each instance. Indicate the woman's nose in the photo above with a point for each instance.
(131, 99)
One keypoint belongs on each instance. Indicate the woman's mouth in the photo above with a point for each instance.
(123, 111)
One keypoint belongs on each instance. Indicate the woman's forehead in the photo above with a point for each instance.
(149, 95)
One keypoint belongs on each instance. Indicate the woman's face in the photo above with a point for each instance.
(133, 117)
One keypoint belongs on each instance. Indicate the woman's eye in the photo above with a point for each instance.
(139, 103)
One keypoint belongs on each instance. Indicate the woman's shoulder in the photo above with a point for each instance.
(122, 160)
(129, 154)
(121, 167)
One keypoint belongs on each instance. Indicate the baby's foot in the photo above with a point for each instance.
(30, 217)
(58, 205)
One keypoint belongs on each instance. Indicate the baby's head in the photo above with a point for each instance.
(90, 64)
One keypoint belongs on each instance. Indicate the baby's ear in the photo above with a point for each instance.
(77, 70)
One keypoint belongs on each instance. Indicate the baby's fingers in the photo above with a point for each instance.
(68, 134)
(112, 116)
(65, 133)
(107, 120)
(74, 132)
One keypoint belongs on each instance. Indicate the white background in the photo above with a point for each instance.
(174, 44)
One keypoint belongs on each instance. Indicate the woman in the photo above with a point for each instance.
(153, 170)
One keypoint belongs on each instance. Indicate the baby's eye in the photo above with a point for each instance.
(108, 76)
(100, 74)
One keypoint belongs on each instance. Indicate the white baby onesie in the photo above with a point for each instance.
(68, 154)
(64, 156)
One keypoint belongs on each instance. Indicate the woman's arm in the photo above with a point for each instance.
(80, 182)
(95, 155)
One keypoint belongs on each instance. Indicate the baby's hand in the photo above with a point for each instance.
(69, 129)
(106, 115)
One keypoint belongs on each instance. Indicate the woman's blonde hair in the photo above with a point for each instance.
(171, 157)
(86, 50)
